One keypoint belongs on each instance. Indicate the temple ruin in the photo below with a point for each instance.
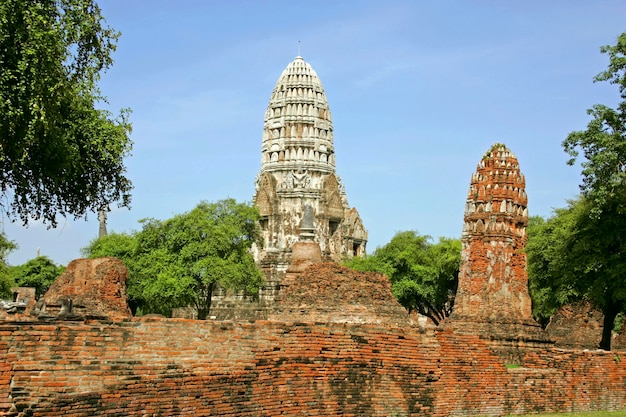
(333, 341)
(88, 288)
(338, 344)
(298, 171)
(493, 283)
(492, 298)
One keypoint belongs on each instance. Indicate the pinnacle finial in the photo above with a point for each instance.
(298, 48)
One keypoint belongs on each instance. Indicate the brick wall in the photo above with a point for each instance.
(577, 325)
(96, 287)
(178, 367)
(328, 292)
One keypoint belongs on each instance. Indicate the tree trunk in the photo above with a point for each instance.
(435, 315)
(204, 306)
(611, 310)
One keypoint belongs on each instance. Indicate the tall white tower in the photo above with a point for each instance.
(298, 171)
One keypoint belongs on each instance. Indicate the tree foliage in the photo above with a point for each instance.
(598, 220)
(576, 255)
(118, 245)
(59, 154)
(38, 273)
(424, 276)
(550, 280)
(6, 278)
(603, 143)
(180, 261)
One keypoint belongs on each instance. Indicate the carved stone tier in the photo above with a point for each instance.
(299, 196)
(298, 127)
(492, 298)
(493, 284)
(298, 171)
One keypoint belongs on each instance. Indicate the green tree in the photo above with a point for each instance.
(370, 263)
(423, 275)
(117, 245)
(59, 154)
(603, 143)
(578, 255)
(602, 231)
(6, 278)
(180, 261)
(38, 273)
(550, 280)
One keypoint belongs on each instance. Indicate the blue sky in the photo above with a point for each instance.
(418, 92)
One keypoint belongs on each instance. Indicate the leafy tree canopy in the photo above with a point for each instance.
(118, 245)
(575, 255)
(6, 247)
(59, 154)
(6, 278)
(178, 262)
(424, 275)
(550, 279)
(598, 221)
(603, 143)
(38, 273)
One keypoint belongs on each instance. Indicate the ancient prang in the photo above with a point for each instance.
(492, 296)
(493, 284)
(298, 171)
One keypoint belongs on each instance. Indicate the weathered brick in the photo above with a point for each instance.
(269, 368)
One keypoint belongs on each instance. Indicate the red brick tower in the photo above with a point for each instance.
(492, 298)
(493, 284)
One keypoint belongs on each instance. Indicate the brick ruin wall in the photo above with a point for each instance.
(338, 343)
(154, 366)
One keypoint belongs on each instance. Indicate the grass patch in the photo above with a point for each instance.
(512, 365)
(583, 414)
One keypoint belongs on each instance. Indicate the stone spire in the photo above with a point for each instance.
(492, 299)
(298, 171)
(102, 222)
(493, 284)
(298, 131)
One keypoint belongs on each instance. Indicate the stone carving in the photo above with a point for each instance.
(66, 306)
(299, 179)
(12, 307)
(302, 179)
(493, 283)
(289, 181)
(297, 153)
(20, 306)
(492, 298)
(257, 182)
